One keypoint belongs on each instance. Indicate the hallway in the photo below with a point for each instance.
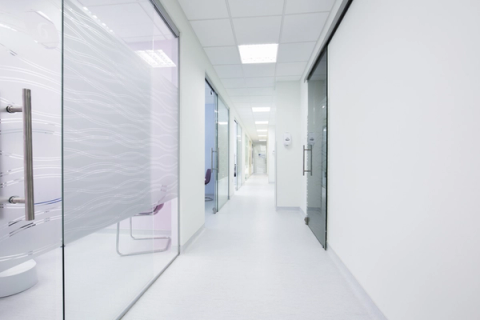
(252, 262)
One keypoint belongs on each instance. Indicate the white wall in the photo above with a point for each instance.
(271, 154)
(194, 64)
(289, 159)
(403, 155)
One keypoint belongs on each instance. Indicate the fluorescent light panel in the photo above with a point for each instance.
(261, 122)
(262, 109)
(156, 58)
(258, 53)
(262, 135)
(262, 130)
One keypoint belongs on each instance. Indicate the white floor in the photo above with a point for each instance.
(251, 262)
(99, 284)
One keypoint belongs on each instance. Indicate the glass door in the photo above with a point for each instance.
(211, 160)
(120, 154)
(239, 157)
(89, 183)
(315, 151)
(222, 154)
(30, 165)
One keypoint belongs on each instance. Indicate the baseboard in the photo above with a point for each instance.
(192, 239)
(288, 208)
(304, 215)
(356, 287)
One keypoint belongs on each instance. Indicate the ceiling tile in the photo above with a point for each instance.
(214, 32)
(260, 91)
(290, 69)
(252, 8)
(242, 105)
(102, 2)
(295, 52)
(237, 91)
(240, 99)
(261, 104)
(288, 78)
(261, 116)
(205, 9)
(233, 83)
(303, 27)
(307, 6)
(257, 30)
(260, 82)
(230, 71)
(259, 70)
(223, 55)
(261, 99)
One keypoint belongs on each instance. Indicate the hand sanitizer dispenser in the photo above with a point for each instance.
(287, 139)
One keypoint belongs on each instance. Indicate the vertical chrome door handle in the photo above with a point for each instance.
(311, 161)
(211, 159)
(28, 200)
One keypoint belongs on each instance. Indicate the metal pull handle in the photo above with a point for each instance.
(311, 161)
(29, 200)
(218, 158)
(211, 159)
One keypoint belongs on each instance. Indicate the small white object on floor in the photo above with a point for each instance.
(18, 278)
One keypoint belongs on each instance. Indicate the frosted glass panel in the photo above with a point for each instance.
(222, 136)
(31, 57)
(120, 154)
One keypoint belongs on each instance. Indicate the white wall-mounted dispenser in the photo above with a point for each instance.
(287, 139)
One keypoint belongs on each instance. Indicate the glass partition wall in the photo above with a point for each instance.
(315, 151)
(223, 124)
(31, 159)
(211, 111)
(239, 156)
(103, 196)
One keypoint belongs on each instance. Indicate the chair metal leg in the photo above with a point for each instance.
(143, 238)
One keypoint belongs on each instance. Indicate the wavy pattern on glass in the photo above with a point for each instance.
(30, 57)
(120, 132)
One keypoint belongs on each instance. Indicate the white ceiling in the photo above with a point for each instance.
(222, 25)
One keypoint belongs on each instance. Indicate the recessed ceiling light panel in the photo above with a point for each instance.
(258, 53)
(262, 130)
(262, 109)
(261, 122)
(156, 58)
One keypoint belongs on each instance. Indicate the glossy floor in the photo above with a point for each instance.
(252, 262)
